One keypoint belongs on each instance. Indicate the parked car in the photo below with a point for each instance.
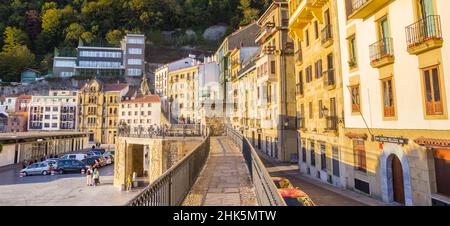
(109, 158)
(52, 162)
(93, 153)
(101, 150)
(70, 165)
(78, 156)
(91, 161)
(281, 182)
(40, 168)
(295, 197)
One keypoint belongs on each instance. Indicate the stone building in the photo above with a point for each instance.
(143, 112)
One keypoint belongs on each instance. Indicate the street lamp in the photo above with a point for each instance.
(170, 109)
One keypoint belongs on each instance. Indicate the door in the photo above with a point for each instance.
(384, 36)
(426, 11)
(397, 180)
(259, 141)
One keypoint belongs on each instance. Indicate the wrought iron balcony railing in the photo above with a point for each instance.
(332, 122)
(329, 79)
(381, 49)
(423, 30)
(326, 34)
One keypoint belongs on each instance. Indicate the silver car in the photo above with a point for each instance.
(40, 168)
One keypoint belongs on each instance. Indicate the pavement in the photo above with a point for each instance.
(59, 190)
(321, 193)
(225, 179)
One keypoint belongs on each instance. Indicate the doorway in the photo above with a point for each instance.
(397, 181)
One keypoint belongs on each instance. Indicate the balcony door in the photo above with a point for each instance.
(426, 12)
(384, 35)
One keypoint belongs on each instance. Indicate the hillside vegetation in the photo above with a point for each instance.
(31, 30)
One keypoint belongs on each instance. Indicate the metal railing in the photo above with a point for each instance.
(301, 123)
(381, 49)
(332, 123)
(171, 188)
(357, 4)
(299, 89)
(173, 130)
(266, 191)
(329, 79)
(423, 30)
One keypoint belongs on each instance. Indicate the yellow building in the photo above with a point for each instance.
(99, 110)
(313, 25)
(182, 91)
(277, 136)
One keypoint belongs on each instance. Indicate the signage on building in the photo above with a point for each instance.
(393, 140)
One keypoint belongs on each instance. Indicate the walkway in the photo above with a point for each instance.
(225, 180)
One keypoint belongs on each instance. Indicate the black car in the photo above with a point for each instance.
(70, 166)
(90, 161)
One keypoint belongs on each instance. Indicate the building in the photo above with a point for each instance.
(55, 112)
(99, 110)
(3, 121)
(244, 37)
(395, 65)
(30, 76)
(319, 90)
(17, 122)
(128, 59)
(162, 73)
(207, 102)
(276, 84)
(22, 103)
(141, 112)
(2, 104)
(182, 93)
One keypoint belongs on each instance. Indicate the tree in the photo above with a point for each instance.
(14, 62)
(14, 38)
(114, 37)
(249, 13)
(51, 21)
(88, 37)
(33, 24)
(73, 33)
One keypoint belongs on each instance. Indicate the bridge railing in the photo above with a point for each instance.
(171, 188)
(173, 130)
(266, 191)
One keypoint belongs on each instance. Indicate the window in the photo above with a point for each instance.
(307, 37)
(272, 67)
(359, 155)
(135, 51)
(432, 91)
(308, 74)
(135, 41)
(442, 169)
(134, 61)
(312, 154)
(310, 110)
(388, 97)
(320, 109)
(303, 151)
(65, 63)
(356, 101)
(318, 68)
(300, 82)
(134, 71)
(323, 156)
(316, 29)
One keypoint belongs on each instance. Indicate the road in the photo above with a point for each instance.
(59, 190)
(322, 195)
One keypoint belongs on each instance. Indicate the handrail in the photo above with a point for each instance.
(266, 191)
(172, 187)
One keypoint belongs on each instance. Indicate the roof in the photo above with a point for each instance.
(144, 99)
(24, 96)
(431, 142)
(132, 92)
(19, 113)
(33, 136)
(114, 87)
(273, 5)
(29, 69)
(13, 96)
(245, 36)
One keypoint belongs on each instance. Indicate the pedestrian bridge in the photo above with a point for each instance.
(223, 171)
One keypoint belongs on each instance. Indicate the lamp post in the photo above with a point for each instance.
(170, 109)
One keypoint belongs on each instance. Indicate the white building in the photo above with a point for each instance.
(395, 62)
(143, 111)
(53, 113)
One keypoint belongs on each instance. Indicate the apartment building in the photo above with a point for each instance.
(162, 73)
(208, 101)
(53, 112)
(128, 59)
(99, 110)
(142, 112)
(397, 131)
(319, 90)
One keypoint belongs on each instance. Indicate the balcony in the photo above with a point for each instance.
(298, 57)
(382, 53)
(301, 123)
(269, 50)
(265, 31)
(302, 12)
(424, 35)
(332, 123)
(329, 79)
(360, 9)
(299, 89)
(327, 36)
(289, 48)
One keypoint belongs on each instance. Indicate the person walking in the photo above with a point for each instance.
(89, 176)
(96, 177)
(129, 184)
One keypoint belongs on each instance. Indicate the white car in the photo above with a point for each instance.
(78, 157)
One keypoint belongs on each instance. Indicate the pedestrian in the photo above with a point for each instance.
(96, 177)
(129, 183)
(89, 176)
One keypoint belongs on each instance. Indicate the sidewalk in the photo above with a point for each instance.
(225, 180)
(292, 171)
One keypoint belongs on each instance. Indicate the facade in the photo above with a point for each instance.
(208, 103)
(99, 110)
(126, 60)
(17, 122)
(276, 84)
(244, 37)
(3, 121)
(396, 145)
(53, 112)
(162, 73)
(143, 112)
(319, 89)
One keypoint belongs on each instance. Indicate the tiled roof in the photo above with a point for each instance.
(356, 135)
(114, 87)
(433, 142)
(24, 96)
(144, 99)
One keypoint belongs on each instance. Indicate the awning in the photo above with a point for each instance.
(356, 135)
(433, 143)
